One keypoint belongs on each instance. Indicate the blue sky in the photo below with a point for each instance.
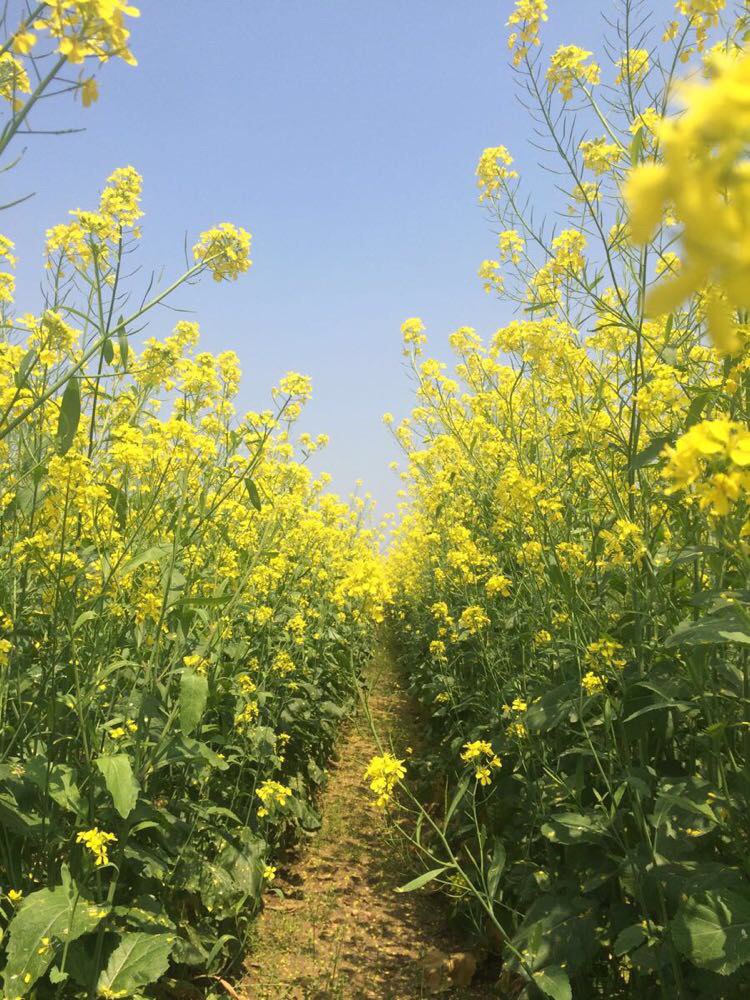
(344, 135)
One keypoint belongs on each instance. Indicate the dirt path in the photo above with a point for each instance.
(340, 931)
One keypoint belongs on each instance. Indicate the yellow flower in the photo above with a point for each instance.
(492, 171)
(568, 67)
(605, 653)
(272, 793)
(592, 683)
(711, 457)
(384, 773)
(473, 619)
(704, 176)
(14, 80)
(484, 758)
(498, 584)
(599, 155)
(197, 663)
(633, 67)
(91, 28)
(24, 42)
(89, 92)
(97, 841)
(511, 245)
(526, 19)
(225, 250)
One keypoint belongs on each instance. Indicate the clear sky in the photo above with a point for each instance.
(344, 135)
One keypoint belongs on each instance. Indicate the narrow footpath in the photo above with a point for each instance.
(340, 931)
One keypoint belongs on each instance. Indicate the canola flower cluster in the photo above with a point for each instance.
(384, 773)
(570, 571)
(703, 175)
(183, 603)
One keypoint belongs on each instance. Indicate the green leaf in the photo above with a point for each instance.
(636, 146)
(252, 492)
(417, 883)
(573, 828)
(713, 930)
(138, 960)
(698, 405)
(193, 698)
(553, 982)
(556, 931)
(227, 882)
(552, 708)
(496, 868)
(120, 781)
(651, 454)
(155, 554)
(24, 369)
(727, 624)
(118, 501)
(57, 781)
(19, 820)
(461, 790)
(70, 415)
(628, 939)
(44, 922)
(108, 351)
(122, 340)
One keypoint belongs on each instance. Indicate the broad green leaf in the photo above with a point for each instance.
(689, 553)
(122, 340)
(461, 790)
(557, 930)
(202, 602)
(713, 930)
(193, 698)
(138, 960)
(628, 939)
(120, 781)
(44, 922)
(118, 501)
(24, 369)
(108, 351)
(553, 982)
(57, 781)
(155, 554)
(573, 828)
(13, 817)
(651, 454)
(553, 707)
(252, 492)
(702, 400)
(70, 415)
(636, 146)
(727, 624)
(228, 881)
(417, 883)
(496, 868)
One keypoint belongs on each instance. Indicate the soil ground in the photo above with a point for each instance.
(339, 930)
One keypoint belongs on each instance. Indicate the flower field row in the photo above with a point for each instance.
(571, 572)
(183, 606)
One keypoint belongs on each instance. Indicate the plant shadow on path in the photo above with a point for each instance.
(340, 931)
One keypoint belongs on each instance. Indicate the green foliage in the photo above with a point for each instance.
(572, 570)
(139, 959)
(120, 782)
(47, 921)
